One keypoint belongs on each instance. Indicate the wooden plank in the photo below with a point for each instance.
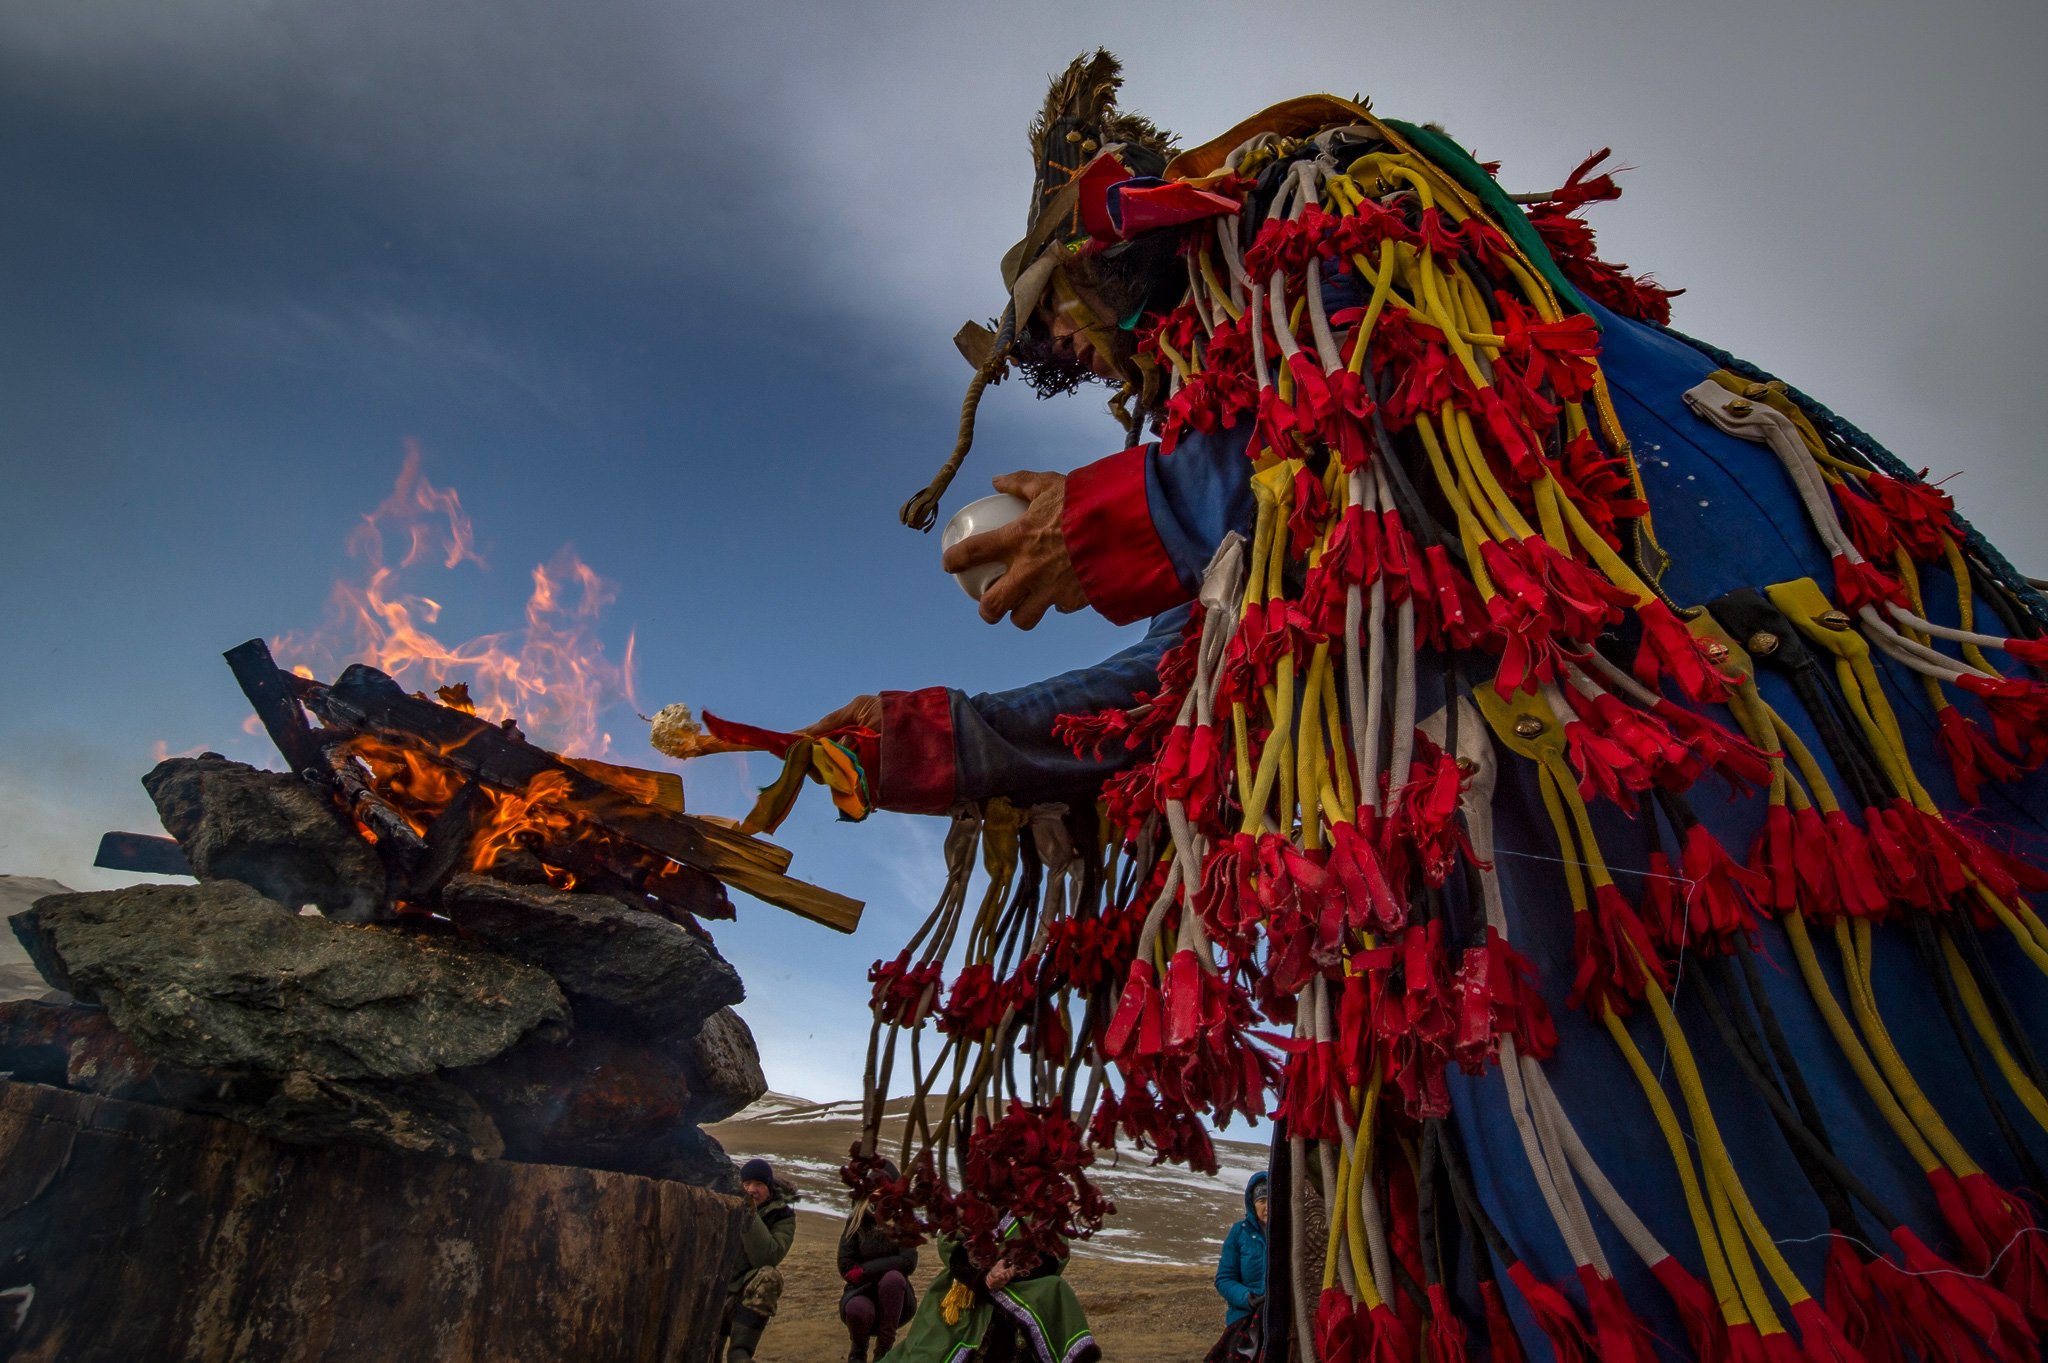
(155, 1234)
(800, 897)
(395, 836)
(662, 789)
(365, 699)
(142, 852)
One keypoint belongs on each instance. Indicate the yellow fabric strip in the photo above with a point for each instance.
(1987, 1030)
(1854, 944)
(1726, 1291)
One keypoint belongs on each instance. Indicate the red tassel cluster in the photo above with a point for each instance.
(903, 994)
(1570, 242)
(1921, 515)
(1031, 1164)
(1555, 1316)
(1544, 601)
(1697, 1310)
(1619, 1334)
(1616, 960)
(1670, 649)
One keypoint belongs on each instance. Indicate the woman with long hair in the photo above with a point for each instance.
(877, 1270)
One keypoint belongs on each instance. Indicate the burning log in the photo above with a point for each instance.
(393, 831)
(598, 863)
(448, 840)
(368, 702)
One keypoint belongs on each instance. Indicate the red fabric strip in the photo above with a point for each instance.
(915, 770)
(1115, 551)
(747, 735)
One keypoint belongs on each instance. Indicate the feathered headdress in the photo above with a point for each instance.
(1079, 125)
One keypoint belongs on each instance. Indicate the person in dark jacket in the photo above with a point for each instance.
(1241, 1268)
(754, 1288)
(877, 1270)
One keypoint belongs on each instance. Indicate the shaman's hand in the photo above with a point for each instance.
(1040, 577)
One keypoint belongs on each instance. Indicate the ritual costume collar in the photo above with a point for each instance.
(1306, 115)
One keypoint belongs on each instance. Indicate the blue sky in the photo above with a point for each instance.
(675, 285)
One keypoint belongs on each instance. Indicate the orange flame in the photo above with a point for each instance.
(534, 810)
(415, 784)
(552, 677)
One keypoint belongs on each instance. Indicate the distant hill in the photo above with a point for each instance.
(1165, 1214)
(18, 979)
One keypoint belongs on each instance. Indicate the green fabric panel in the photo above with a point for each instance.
(1459, 165)
(928, 1339)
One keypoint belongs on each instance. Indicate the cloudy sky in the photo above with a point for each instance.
(673, 284)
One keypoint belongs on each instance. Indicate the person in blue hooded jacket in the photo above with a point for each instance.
(1241, 1268)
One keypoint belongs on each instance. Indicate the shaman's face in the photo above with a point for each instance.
(1077, 334)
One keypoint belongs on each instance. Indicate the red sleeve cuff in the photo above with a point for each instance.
(1115, 551)
(915, 769)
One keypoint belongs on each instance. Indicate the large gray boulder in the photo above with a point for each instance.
(723, 1066)
(693, 1156)
(217, 977)
(67, 1046)
(594, 1100)
(423, 1116)
(624, 969)
(268, 829)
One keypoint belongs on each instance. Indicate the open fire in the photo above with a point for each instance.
(438, 790)
(552, 677)
(449, 783)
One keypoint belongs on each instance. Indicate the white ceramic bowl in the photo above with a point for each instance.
(990, 513)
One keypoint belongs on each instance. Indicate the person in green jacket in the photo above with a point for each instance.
(1001, 1314)
(755, 1287)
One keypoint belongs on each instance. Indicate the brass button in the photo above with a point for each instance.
(1763, 643)
(1467, 766)
(1073, 136)
(1715, 651)
(1835, 620)
(1740, 407)
(1528, 726)
(1090, 145)
(1756, 390)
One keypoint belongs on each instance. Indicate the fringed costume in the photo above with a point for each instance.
(1582, 791)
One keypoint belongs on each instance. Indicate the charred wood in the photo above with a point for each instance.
(446, 849)
(142, 852)
(366, 699)
(396, 837)
(272, 698)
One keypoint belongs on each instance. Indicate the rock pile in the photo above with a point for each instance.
(512, 1020)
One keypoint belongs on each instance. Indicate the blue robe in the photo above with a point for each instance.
(1727, 513)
